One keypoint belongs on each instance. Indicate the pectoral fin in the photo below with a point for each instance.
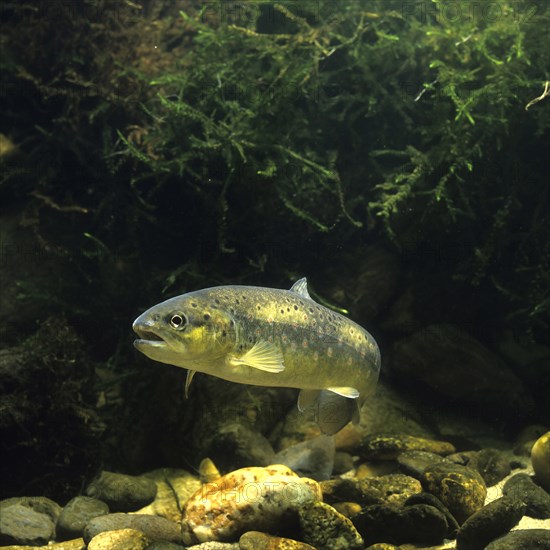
(350, 393)
(188, 380)
(263, 356)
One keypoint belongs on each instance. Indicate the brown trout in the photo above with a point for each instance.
(267, 337)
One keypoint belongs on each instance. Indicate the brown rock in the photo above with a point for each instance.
(246, 499)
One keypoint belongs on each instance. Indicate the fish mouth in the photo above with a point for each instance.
(147, 338)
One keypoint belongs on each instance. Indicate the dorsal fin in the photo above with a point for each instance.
(300, 287)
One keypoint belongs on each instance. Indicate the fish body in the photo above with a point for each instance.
(267, 337)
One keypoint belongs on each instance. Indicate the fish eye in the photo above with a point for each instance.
(178, 321)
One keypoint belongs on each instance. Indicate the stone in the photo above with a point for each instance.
(428, 498)
(389, 489)
(492, 464)
(522, 539)
(415, 463)
(239, 444)
(214, 545)
(313, 458)
(20, 524)
(255, 540)
(76, 514)
(390, 446)
(164, 545)
(540, 459)
(492, 521)
(450, 362)
(42, 505)
(420, 523)
(461, 489)
(75, 544)
(343, 462)
(537, 500)
(122, 539)
(348, 509)
(174, 487)
(153, 527)
(326, 529)
(247, 499)
(122, 493)
(382, 546)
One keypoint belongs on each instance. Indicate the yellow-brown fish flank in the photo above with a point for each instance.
(264, 336)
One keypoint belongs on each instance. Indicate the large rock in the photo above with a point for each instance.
(153, 527)
(76, 514)
(174, 487)
(450, 362)
(123, 493)
(540, 458)
(420, 523)
(247, 499)
(327, 529)
(461, 489)
(537, 500)
(492, 521)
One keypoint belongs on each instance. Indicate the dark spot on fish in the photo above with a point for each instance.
(193, 304)
(231, 310)
(282, 311)
(243, 297)
(206, 317)
(217, 301)
(232, 323)
(288, 309)
(310, 310)
(258, 307)
(237, 301)
(295, 307)
(224, 333)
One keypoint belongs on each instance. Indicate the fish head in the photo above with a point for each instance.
(186, 331)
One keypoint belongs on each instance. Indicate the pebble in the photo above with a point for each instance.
(174, 487)
(163, 545)
(326, 529)
(382, 546)
(76, 514)
(492, 464)
(255, 540)
(389, 489)
(22, 525)
(461, 489)
(42, 505)
(420, 523)
(123, 539)
(428, 498)
(348, 509)
(523, 539)
(214, 545)
(415, 463)
(313, 458)
(540, 459)
(390, 446)
(75, 544)
(537, 500)
(249, 498)
(492, 521)
(153, 527)
(122, 493)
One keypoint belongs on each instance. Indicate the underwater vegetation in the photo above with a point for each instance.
(310, 122)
